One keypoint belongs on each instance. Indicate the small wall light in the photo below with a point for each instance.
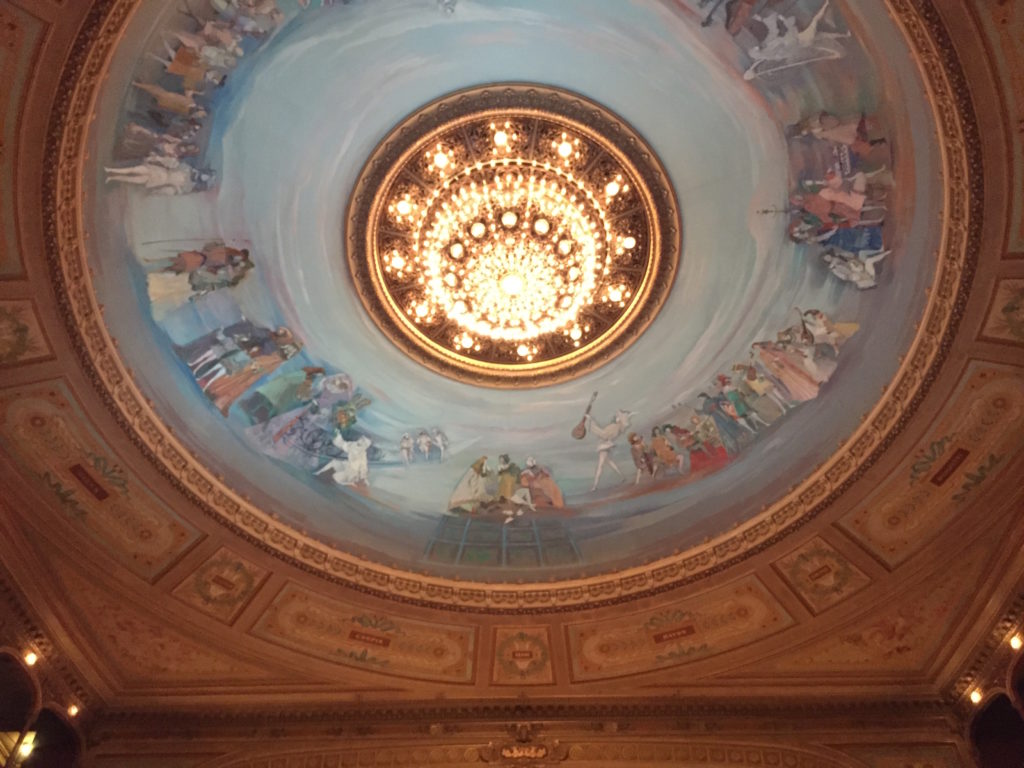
(31, 657)
(975, 696)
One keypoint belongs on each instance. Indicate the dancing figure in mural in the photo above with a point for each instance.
(642, 458)
(196, 68)
(827, 332)
(163, 176)
(405, 448)
(177, 103)
(423, 444)
(138, 142)
(440, 441)
(607, 436)
(852, 269)
(785, 45)
(353, 470)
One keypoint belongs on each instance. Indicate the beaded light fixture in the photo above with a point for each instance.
(513, 235)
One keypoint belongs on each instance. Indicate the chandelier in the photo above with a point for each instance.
(512, 235)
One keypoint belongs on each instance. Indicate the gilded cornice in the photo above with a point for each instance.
(97, 351)
(674, 714)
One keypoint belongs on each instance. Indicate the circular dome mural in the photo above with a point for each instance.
(803, 182)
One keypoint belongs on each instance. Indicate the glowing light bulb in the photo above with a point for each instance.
(31, 658)
(542, 226)
(500, 139)
(25, 749)
(421, 310)
(975, 697)
(512, 284)
(397, 261)
(629, 243)
(73, 710)
(523, 350)
(575, 334)
(478, 229)
(612, 189)
(564, 149)
(456, 251)
(509, 219)
(565, 247)
(1016, 642)
(404, 207)
(441, 160)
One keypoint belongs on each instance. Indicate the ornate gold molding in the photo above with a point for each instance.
(66, 254)
(717, 753)
(646, 204)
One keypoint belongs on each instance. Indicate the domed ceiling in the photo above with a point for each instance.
(789, 190)
(398, 363)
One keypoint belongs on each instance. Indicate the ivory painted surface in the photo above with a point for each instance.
(223, 585)
(145, 650)
(820, 574)
(522, 656)
(676, 633)
(46, 432)
(979, 429)
(904, 636)
(347, 634)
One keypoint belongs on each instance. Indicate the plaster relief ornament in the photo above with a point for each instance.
(488, 307)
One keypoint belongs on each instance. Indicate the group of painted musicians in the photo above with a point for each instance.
(751, 397)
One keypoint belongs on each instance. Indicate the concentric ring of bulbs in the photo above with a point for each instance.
(508, 251)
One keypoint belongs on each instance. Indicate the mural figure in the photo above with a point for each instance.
(226, 362)
(257, 18)
(440, 441)
(138, 142)
(510, 488)
(424, 443)
(183, 103)
(544, 491)
(197, 64)
(405, 448)
(785, 45)
(607, 435)
(665, 455)
(471, 492)
(839, 199)
(297, 415)
(163, 176)
(192, 274)
(355, 468)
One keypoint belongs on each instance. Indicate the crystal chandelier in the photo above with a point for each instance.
(513, 235)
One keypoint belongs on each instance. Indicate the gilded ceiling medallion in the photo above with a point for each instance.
(513, 235)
